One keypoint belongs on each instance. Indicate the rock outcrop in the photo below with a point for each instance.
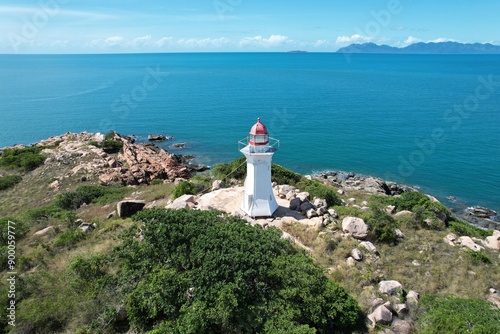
(128, 208)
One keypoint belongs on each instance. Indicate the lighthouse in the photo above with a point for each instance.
(258, 148)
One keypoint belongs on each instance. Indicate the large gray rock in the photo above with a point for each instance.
(357, 254)
(311, 213)
(412, 297)
(128, 208)
(494, 297)
(355, 227)
(306, 206)
(493, 242)
(368, 246)
(183, 202)
(389, 287)
(469, 243)
(304, 196)
(402, 326)
(217, 184)
(295, 204)
(381, 315)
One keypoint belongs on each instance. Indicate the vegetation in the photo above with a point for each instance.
(25, 159)
(382, 227)
(319, 190)
(109, 145)
(184, 188)
(86, 195)
(478, 257)
(205, 273)
(9, 181)
(447, 314)
(463, 228)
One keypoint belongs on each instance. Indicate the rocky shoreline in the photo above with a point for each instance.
(349, 181)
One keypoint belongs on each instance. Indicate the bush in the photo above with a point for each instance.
(184, 188)
(462, 228)
(382, 227)
(446, 314)
(26, 159)
(69, 238)
(206, 272)
(87, 195)
(281, 175)
(319, 190)
(111, 146)
(156, 182)
(478, 257)
(9, 181)
(236, 169)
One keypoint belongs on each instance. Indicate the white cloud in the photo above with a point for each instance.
(321, 43)
(356, 38)
(140, 41)
(411, 40)
(113, 41)
(441, 40)
(273, 40)
(164, 41)
(203, 42)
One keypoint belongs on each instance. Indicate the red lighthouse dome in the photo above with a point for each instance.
(258, 134)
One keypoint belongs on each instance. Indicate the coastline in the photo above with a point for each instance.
(476, 215)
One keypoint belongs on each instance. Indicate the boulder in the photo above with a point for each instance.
(469, 243)
(183, 202)
(128, 208)
(311, 213)
(319, 203)
(390, 209)
(402, 326)
(304, 196)
(412, 297)
(390, 287)
(290, 195)
(305, 206)
(87, 227)
(285, 188)
(43, 232)
(333, 213)
(381, 315)
(399, 233)
(355, 226)
(401, 309)
(295, 204)
(159, 137)
(350, 261)
(369, 246)
(404, 213)
(450, 239)
(111, 215)
(493, 241)
(357, 254)
(494, 297)
(217, 184)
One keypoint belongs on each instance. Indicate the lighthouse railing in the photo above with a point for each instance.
(272, 146)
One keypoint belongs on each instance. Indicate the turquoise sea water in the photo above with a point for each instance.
(426, 120)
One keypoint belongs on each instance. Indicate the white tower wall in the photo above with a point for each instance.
(258, 197)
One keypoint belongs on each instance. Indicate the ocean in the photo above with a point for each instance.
(431, 121)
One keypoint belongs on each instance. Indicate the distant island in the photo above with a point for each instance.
(297, 51)
(424, 48)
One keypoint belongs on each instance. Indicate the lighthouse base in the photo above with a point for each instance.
(255, 207)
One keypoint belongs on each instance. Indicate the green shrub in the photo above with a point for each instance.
(8, 181)
(111, 146)
(236, 169)
(345, 211)
(462, 228)
(319, 190)
(156, 182)
(281, 175)
(446, 314)
(206, 272)
(382, 227)
(26, 159)
(184, 188)
(478, 257)
(69, 238)
(88, 194)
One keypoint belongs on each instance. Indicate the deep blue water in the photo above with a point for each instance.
(391, 116)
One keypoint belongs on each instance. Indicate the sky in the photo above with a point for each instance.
(133, 26)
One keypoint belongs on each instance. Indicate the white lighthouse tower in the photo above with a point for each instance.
(258, 148)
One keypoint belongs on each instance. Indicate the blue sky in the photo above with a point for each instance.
(112, 26)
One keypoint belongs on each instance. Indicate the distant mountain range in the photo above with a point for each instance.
(424, 48)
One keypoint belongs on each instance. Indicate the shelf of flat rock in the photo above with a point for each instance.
(370, 184)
